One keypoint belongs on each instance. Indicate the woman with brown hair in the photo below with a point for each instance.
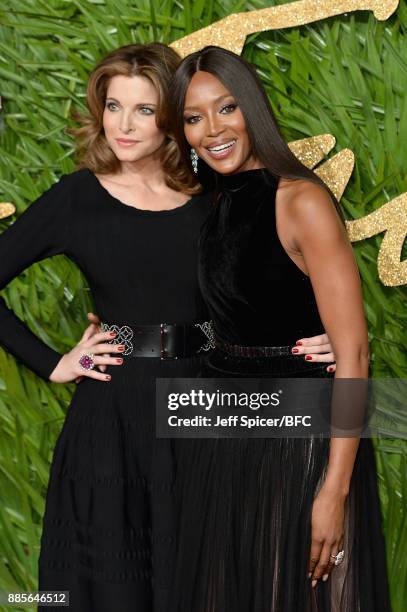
(130, 219)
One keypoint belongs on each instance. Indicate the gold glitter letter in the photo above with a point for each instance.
(231, 32)
(392, 219)
(6, 209)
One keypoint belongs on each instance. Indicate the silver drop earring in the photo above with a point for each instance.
(194, 160)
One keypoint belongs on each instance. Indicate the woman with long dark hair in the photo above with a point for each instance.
(130, 219)
(271, 525)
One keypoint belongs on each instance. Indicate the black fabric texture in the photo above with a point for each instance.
(108, 529)
(244, 505)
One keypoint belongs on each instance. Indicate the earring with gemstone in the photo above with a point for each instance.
(194, 160)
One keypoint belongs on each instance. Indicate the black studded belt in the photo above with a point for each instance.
(163, 340)
(236, 350)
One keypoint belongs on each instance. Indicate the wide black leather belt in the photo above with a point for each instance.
(163, 340)
(236, 350)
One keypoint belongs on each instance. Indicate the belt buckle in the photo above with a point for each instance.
(163, 350)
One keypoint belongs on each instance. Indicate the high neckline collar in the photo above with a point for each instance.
(245, 177)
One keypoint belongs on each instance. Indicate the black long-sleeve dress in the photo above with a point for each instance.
(108, 526)
(244, 524)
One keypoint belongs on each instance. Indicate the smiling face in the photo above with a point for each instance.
(129, 118)
(214, 126)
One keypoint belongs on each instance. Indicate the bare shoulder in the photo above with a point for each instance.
(308, 210)
(302, 196)
(306, 202)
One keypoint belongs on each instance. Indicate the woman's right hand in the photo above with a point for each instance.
(69, 369)
(95, 327)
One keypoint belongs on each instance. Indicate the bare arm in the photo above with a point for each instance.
(321, 238)
(323, 242)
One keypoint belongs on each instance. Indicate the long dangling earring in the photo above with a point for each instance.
(194, 160)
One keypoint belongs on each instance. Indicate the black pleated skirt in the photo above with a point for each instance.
(244, 513)
(108, 531)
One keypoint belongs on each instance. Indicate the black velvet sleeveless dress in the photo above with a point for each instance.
(108, 530)
(245, 504)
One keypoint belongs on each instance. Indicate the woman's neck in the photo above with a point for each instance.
(146, 171)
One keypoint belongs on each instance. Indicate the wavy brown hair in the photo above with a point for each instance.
(156, 62)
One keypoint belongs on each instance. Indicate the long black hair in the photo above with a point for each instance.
(241, 79)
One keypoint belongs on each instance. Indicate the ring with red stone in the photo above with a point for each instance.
(86, 362)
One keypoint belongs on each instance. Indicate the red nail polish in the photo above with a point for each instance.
(294, 350)
(299, 343)
(308, 357)
(119, 360)
(121, 348)
(112, 334)
(330, 369)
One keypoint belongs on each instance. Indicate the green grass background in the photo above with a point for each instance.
(346, 76)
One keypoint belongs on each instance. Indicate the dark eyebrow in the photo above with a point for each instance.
(229, 95)
(140, 103)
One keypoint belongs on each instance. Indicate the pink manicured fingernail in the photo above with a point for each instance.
(330, 369)
(121, 348)
(325, 577)
(314, 582)
(294, 350)
(299, 343)
(119, 360)
(308, 357)
(112, 334)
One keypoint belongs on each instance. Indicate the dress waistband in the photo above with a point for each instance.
(163, 340)
(236, 350)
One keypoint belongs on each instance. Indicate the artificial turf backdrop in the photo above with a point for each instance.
(346, 76)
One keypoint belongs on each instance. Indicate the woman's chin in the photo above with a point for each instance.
(223, 166)
(126, 155)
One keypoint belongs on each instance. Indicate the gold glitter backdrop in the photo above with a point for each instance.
(231, 33)
(6, 209)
